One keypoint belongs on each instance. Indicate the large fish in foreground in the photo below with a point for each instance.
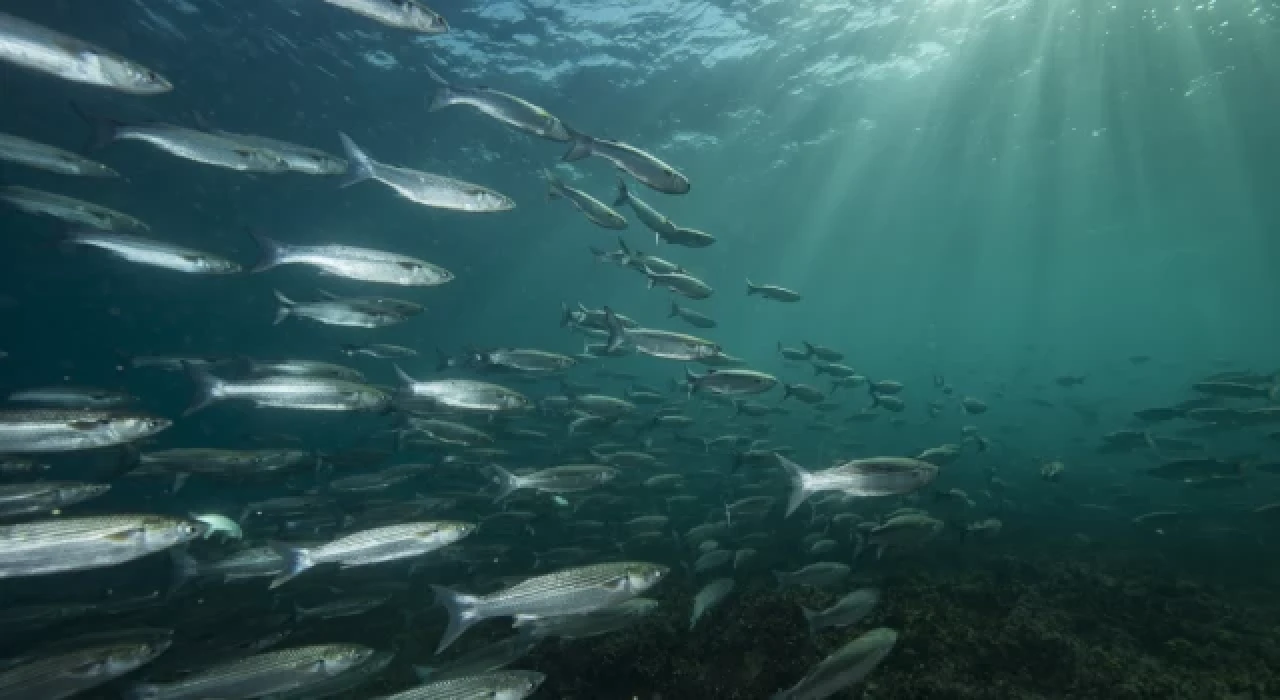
(69, 209)
(153, 253)
(66, 430)
(563, 592)
(301, 393)
(66, 674)
(188, 144)
(875, 476)
(668, 345)
(76, 544)
(427, 189)
(364, 264)
(16, 149)
(30, 45)
(459, 394)
(259, 676)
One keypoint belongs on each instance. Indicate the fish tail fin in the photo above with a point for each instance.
(786, 392)
(809, 615)
(184, 567)
(580, 148)
(462, 610)
(102, 130)
(554, 185)
(296, 561)
(675, 310)
(271, 252)
(402, 375)
(799, 483)
(443, 96)
(691, 380)
(752, 289)
(875, 397)
(622, 195)
(808, 349)
(286, 307)
(506, 481)
(362, 165)
(617, 334)
(208, 387)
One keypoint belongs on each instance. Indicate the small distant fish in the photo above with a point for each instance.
(16, 149)
(847, 666)
(460, 394)
(364, 264)
(71, 397)
(400, 14)
(564, 479)
(381, 351)
(494, 685)
(691, 317)
(875, 476)
(335, 312)
(484, 659)
(188, 144)
(730, 382)
(303, 393)
(597, 212)
(38, 48)
(849, 610)
(824, 573)
(260, 675)
(422, 188)
(658, 343)
(774, 292)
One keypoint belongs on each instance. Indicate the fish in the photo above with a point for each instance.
(849, 610)
(64, 430)
(350, 262)
(650, 217)
(774, 292)
(301, 393)
(712, 559)
(641, 165)
(508, 109)
(658, 343)
(875, 476)
(597, 212)
(691, 317)
(681, 283)
(33, 154)
(459, 394)
(730, 382)
(525, 360)
(46, 496)
(710, 596)
(564, 592)
(487, 658)
(73, 211)
(493, 685)
(822, 352)
(823, 573)
(846, 666)
(61, 675)
(69, 544)
(375, 546)
(570, 478)
(381, 351)
(66, 396)
(41, 49)
(427, 189)
(259, 675)
(301, 368)
(907, 530)
(152, 253)
(589, 624)
(400, 14)
(299, 159)
(334, 312)
(188, 144)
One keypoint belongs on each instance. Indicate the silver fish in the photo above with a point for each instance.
(300, 159)
(774, 292)
(489, 657)
(375, 546)
(153, 253)
(45, 496)
(42, 49)
(657, 343)
(66, 674)
(67, 396)
(849, 610)
(681, 283)
(189, 144)
(77, 544)
(422, 188)
(460, 394)
(875, 476)
(302, 393)
(363, 264)
(565, 479)
(508, 109)
(16, 149)
(643, 166)
(691, 317)
(65, 430)
(259, 675)
(334, 313)
(303, 368)
(69, 209)
(589, 624)
(564, 592)
(381, 351)
(597, 212)
(495, 685)
(848, 665)
(401, 14)
(731, 382)
(709, 597)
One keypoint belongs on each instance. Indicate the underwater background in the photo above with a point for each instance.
(1065, 210)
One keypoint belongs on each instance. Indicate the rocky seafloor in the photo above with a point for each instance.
(1001, 628)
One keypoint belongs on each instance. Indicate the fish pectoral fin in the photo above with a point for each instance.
(620, 584)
